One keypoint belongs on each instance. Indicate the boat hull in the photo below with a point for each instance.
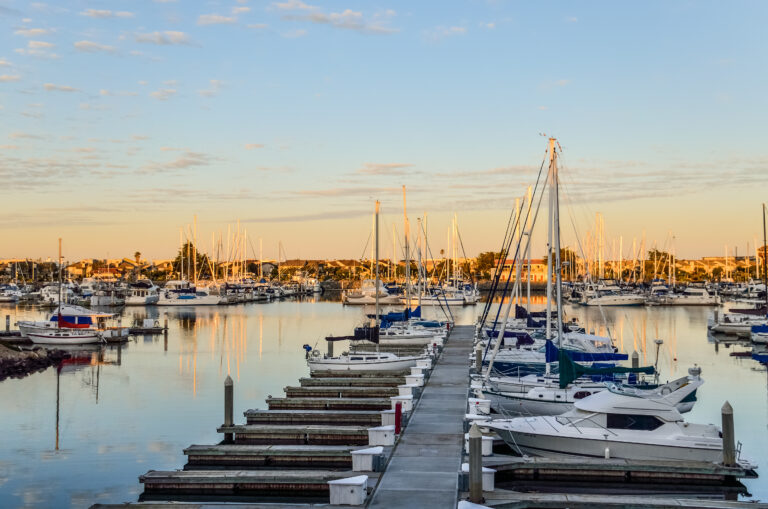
(77, 339)
(548, 445)
(383, 365)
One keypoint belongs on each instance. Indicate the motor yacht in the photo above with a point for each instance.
(615, 423)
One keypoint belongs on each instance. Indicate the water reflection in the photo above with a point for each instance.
(125, 410)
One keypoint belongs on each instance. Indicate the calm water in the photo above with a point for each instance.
(124, 412)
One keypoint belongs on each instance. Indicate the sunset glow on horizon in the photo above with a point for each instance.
(122, 121)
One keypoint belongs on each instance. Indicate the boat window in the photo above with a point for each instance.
(356, 358)
(636, 422)
(581, 394)
(541, 395)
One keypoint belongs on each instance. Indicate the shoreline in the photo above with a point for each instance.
(16, 363)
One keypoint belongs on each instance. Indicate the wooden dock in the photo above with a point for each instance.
(423, 469)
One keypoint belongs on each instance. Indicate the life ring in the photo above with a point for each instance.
(665, 391)
(315, 353)
(157, 323)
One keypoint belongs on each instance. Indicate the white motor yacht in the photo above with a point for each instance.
(142, 293)
(366, 294)
(182, 293)
(692, 296)
(613, 423)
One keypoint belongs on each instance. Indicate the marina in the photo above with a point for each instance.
(264, 346)
(435, 255)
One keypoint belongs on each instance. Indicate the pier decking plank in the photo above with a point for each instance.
(423, 469)
(338, 417)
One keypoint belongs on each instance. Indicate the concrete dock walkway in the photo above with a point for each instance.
(423, 469)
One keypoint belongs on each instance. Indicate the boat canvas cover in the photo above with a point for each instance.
(570, 370)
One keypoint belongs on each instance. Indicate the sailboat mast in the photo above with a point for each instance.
(549, 241)
(765, 259)
(58, 322)
(407, 258)
(376, 290)
(529, 220)
(558, 276)
(194, 251)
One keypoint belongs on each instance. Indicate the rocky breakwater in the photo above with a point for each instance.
(15, 363)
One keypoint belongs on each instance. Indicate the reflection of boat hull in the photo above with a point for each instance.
(64, 337)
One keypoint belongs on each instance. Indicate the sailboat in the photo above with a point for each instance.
(618, 422)
(63, 335)
(376, 361)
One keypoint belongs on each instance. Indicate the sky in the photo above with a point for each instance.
(123, 120)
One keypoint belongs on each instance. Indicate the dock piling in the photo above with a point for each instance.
(228, 408)
(398, 417)
(729, 447)
(7, 323)
(330, 348)
(479, 360)
(475, 465)
(635, 360)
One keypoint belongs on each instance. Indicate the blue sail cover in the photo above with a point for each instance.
(552, 355)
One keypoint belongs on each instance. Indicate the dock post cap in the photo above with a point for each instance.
(351, 481)
(474, 431)
(370, 450)
(727, 408)
(465, 468)
(635, 354)
(228, 381)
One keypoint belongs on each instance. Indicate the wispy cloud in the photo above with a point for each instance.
(163, 38)
(4, 63)
(215, 19)
(349, 191)
(240, 10)
(163, 94)
(385, 169)
(294, 34)
(32, 32)
(319, 216)
(296, 10)
(93, 47)
(59, 88)
(213, 90)
(441, 32)
(252, 146)
(103, 13)
(8, 78)
(184, 162)
(40, 45)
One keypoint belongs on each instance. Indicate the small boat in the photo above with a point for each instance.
(361, 362)
(64, 336)
(739, 324)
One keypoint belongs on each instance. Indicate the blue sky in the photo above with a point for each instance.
(123, 119)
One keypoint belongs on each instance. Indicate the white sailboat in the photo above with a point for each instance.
(368, 361)
(53, 333)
